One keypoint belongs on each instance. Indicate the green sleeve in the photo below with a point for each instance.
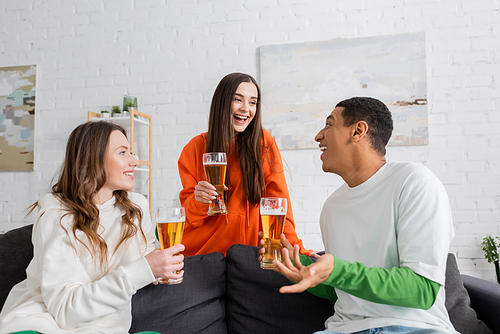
(320, 290)
(395, 286)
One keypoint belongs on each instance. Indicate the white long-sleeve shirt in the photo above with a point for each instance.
(65, 290)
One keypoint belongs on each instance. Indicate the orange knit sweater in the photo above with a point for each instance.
(204, 234)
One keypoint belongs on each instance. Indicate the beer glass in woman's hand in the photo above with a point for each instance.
(215, 165)
(170, 225)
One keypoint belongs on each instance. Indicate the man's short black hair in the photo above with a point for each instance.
(375, 113)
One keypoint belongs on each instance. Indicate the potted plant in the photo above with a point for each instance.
(116, 110)
(128, 106)
(104, 114)
(490, 247)
(129, 102)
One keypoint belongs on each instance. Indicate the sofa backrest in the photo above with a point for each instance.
(16, 252)
(197, 305)
(232, 295)
(255, 305)
(462, 315)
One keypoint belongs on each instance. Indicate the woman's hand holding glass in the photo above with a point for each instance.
(204, 192)
(167, 263)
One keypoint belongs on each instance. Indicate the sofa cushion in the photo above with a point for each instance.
(484, 299)
(194, 306)
(255, 305)
(457, 302)
(16, 252)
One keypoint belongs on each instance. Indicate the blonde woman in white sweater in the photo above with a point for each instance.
(93, 243)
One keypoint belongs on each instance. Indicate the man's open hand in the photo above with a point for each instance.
(305, 276)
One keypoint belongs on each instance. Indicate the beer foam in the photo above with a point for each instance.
(272, 212)
(173, 220)
(214, 163)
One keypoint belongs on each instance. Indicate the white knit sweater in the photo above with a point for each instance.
(65, 290)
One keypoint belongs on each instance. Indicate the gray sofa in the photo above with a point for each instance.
(233, 295)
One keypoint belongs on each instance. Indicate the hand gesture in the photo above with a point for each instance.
(305, 276)
(165, 263)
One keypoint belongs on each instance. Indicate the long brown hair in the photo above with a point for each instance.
(248, 146)
(81, 176)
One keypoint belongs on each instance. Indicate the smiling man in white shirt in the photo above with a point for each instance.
(386, 232)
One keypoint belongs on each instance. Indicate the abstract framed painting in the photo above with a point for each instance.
(17, 117)
(303, 82)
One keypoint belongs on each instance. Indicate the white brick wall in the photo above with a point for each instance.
(171, 55)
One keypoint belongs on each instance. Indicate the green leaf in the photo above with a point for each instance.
(490, 248)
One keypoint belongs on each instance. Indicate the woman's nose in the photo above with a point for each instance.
(245, 106)
(134, 161)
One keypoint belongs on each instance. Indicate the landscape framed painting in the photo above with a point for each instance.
(17, 117)
(303, 82)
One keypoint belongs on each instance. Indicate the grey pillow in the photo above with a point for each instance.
(462, 315)
(16, 252)
(194, 306)
(255, 305)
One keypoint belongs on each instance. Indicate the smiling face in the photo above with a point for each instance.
(334, 141)
(244, 106)
(119, 166)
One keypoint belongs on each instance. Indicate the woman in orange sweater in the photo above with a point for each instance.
(254, 170)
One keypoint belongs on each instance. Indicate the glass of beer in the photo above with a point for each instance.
(170, 225)
(215, 165)
(273, 215)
